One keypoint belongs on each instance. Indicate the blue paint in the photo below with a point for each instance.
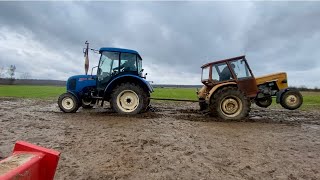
(82, 81)
(142, 80)
(121, 50)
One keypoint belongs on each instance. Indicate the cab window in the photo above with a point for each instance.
(128, 62)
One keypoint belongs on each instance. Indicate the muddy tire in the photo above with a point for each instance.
(203, 105)
(230, 104)
(68, 103)
(148, 103)
(264, 102)
(291, 100)
(129, 98)
(88, 103)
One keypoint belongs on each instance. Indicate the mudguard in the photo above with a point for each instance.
(142, 81)
(75, 95)
(279, 94)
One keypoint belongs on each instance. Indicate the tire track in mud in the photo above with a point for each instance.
(191, 112)
(175, 141)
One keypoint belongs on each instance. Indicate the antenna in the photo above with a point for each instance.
(86, 59)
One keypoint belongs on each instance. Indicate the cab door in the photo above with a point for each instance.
(108, 67)
(244, 77)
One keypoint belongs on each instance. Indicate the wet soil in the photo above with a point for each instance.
(171, 141)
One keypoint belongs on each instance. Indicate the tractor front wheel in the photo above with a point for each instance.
(68, 103)
(264, 102)
(291, 100)
(129, 98)
(230, 104)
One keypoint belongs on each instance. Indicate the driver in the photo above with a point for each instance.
(226, 73)
(129, 65)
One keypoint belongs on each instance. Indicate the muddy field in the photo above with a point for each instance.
(174, 141)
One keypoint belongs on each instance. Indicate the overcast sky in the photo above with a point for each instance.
(174, 39)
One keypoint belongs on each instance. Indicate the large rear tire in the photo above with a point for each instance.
(229, 103)
(68, 103)
(129, 98)
(291, 100)
(203, 105)
(148, 103)
(264, 102)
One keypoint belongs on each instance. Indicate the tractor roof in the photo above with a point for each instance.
(118, 50)
(224, 60)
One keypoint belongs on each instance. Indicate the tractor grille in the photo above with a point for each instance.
(72, 84)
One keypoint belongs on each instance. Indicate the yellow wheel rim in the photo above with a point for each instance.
(292, 100)
(127, 101)
(67, 103)
(231, 106)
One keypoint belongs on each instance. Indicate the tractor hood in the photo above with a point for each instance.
(280, 78)
(78, 82)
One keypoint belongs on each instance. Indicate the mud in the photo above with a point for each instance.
(171, 141)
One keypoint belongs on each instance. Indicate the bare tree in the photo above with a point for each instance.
(2, 72)
(25, 75)
(11, 71)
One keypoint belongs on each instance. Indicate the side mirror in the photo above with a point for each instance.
(93, 68)
(145, 76)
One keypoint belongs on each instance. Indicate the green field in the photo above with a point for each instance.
(23, 91)
(311, 99)
(48, 92)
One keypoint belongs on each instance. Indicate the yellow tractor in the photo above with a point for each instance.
(230, 87)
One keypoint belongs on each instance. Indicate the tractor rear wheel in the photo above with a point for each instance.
(229, 103)
(203, 105)
(264, 102)
(129, 98)
(148, 103)
(291, 100)
(88, 103)
(68, 103)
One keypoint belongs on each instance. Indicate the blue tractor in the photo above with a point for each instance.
(119, 80)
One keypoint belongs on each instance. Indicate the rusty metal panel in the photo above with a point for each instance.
(248, 86)
(213, 90)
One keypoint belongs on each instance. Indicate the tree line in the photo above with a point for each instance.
(10, 73)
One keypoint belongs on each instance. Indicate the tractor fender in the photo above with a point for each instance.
(216, 87)
(279, 94)
(75, 94)
(127, 78)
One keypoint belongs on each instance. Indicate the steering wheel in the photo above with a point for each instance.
(103, 75)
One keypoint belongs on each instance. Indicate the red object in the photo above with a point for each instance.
(29, 162)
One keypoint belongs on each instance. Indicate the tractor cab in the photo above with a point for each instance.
(234, 70)
(115, 62)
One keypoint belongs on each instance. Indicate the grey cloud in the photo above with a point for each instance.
(276, 36)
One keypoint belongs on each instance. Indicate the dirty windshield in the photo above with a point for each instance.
(241, 69)
(108, 61)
